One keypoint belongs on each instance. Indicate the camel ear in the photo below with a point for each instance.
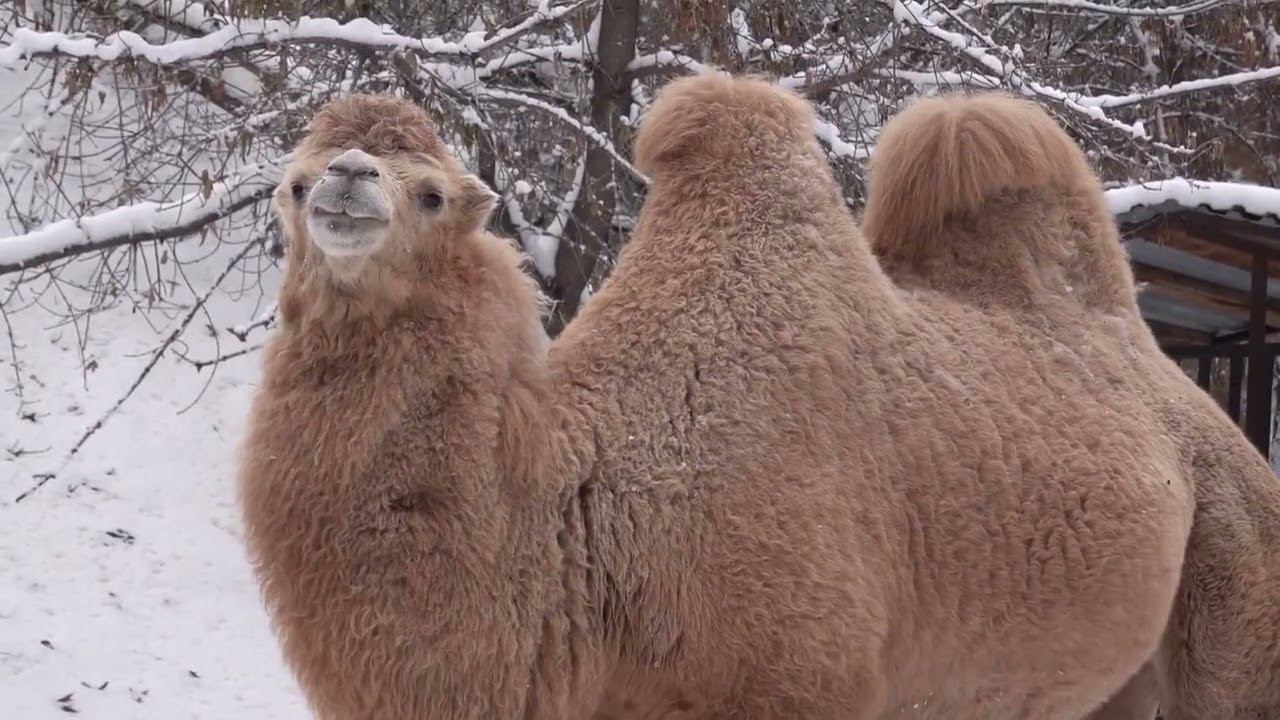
(475, 203)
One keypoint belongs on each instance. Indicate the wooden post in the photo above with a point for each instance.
(1257, 420)
(1235, 376)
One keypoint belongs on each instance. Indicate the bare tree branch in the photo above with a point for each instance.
(255, 33)
(1104, 9)
(135, 224)
(159, 352)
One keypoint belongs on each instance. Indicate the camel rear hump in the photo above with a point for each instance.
(987, 194)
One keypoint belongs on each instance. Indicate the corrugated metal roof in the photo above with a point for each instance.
(1237, 201)
(1140, 204)
(1194, 266)
(1174, 311)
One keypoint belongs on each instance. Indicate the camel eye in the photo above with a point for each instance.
(432, 200)
(299, 190)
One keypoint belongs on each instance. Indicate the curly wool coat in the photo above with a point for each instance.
(758, 477)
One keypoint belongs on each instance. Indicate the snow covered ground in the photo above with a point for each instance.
(124, 587)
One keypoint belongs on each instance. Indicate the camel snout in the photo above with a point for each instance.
(350, 186)
(354, 163)
(349, 212)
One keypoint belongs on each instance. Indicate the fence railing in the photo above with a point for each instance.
(1222, 371)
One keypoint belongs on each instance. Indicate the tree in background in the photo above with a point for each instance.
(152, 131)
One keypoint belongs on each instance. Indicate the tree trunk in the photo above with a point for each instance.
(587, 232)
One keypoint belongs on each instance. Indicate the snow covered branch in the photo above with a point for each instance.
(139, 223)
(1187, 86)
(1106, 9)
(251, 33)
(263, 320)
(668, 61)
(560, 114)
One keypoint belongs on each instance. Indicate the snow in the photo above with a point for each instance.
(1221, 196)
(20, 140)
(140, 218)
(126, 588)
(743, 41)
(836, 145)
(252, 32)
(668, 58)
(940, 78)
(125, 592)
(542, 246)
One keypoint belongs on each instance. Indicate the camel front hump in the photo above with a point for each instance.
(988, 558)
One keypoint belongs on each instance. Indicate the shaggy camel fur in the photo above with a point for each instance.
(984, 203)
(407, 549)
(754, 478)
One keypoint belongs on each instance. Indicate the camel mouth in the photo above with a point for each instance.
(344, 220)
(361, 199)
(346, 233)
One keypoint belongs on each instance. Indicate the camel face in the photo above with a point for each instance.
(347, 210)
(353, 205)
(372, 191)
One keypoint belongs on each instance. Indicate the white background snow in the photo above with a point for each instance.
(125, 591)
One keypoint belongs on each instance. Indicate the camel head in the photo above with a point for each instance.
(372, 197)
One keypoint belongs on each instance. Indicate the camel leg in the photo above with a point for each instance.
(1137, 700)
(1220, 655)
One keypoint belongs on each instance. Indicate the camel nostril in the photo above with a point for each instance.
(353, 171)
(354, 164)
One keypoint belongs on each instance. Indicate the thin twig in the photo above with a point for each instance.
(13, 357)
(43, 478)
(202, 364)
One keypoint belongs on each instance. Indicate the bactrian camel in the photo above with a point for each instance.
(767, 472)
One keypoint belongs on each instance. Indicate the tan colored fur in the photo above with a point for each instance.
(394, 475)
(984, 201)
(754, 478)
(942, 163)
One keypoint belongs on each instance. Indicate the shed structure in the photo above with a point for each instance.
(1207, 259)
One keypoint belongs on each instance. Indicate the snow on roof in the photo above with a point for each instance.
(1255, 201)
